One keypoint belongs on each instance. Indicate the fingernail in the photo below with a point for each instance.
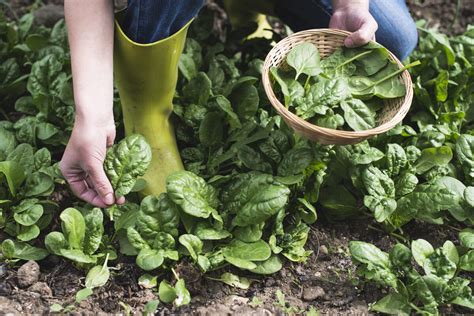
(121, 200)
(109, 199)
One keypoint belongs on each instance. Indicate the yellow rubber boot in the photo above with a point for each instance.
(146, 76)
(243, 12)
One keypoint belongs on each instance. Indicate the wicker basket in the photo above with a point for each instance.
(327, 41)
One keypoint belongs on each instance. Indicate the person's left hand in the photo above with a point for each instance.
(357, 19)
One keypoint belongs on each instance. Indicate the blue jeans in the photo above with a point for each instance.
(147, 21)
(397, 30)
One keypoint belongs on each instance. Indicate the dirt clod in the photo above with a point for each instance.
(28, 274)
(9, 306)
(41, 288)
(312, 293)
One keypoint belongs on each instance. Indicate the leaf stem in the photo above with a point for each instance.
(175, 274)
(396, 73)
(454, 228)
(416, 308)
(400, 237)
(306, 84)
(104, 266)
(354, 58)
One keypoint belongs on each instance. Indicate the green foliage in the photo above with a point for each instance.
(252, 186)
(411, 291)
(96, 277)
(126, 161)
(177, 294)
(81, 236)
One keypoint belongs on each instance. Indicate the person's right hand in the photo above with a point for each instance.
(82, 162)
(354, 16)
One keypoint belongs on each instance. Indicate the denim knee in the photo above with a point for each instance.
(400, 40)
(148, 21)
(397, 31)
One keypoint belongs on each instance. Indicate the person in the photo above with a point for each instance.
(144, 54)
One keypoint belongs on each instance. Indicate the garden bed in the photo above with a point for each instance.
(327, 282)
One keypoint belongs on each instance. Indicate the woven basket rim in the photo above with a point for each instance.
(332, 133)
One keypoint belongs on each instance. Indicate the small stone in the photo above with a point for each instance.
(312, 293)
(236, 300)
(5, 289)
(323, 250)
(269, 282)
(41, 288)
(28, 274)
(300, 270)
(3, 270)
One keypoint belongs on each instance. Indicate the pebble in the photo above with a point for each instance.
(3, 270)
(5, 289)
(236, 300)
(323, 250)
(28, 274)
(269, 282)
(41, 288)
(300, 270)
(312, 293)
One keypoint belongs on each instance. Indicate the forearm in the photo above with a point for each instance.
(91, 34)
(338, 4)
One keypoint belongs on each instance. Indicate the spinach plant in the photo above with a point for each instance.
(81, 238)
(442, 281)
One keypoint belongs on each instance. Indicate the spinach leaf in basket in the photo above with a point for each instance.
(345, 90)
(305, 59)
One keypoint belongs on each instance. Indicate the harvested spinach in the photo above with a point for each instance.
(126, 161)
(343, 90)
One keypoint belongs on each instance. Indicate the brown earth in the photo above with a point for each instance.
(327, 281)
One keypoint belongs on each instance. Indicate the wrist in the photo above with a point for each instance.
(343, 5)
(94, 117)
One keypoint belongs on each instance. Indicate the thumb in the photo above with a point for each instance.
(362, 36)
(101, 183)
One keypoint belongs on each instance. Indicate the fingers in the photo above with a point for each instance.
(336, 22)
(120, 200)
(83, 187)
(80, 188)
(101, 183)
(110, 138)
(365, 34)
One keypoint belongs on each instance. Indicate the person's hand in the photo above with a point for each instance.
(354, 17)
(82, 162)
